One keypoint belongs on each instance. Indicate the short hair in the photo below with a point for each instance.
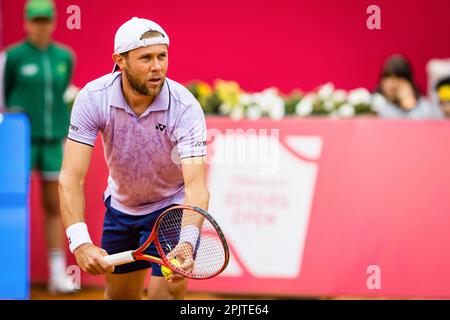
(443, 82)
(151, 34)
(443, 89)
(146, 35)
(400, 67)
(397, 66)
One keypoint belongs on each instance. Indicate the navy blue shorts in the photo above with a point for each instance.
(123, 232)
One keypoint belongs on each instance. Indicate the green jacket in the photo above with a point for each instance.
(34, 81)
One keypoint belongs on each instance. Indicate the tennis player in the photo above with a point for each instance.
(154, 137)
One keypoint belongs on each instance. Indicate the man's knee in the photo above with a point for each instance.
(160, 289)
(51, 207)
(50, 199)
(125, 286)
(111, 294)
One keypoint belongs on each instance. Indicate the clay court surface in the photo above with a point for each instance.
(39, 292)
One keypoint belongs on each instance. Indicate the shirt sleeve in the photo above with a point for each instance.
(85, 119)
(190, 133)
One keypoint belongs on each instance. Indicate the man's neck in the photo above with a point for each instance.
(137, 102)
(40, 44)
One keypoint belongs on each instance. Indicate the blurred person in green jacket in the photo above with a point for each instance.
(34, 74)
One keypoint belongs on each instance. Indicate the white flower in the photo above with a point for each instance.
(378, 102)
(334, 114)
(305, 106)
(328, 105)
(326, 90)
(270, 91)
(266, 99)
(258, 99)
(359, 96)
(339, 96)
(346, 111)
(225, 108)
(237, 113)
(277, 110)
(246, 99)
(71, 93)
(254, 112)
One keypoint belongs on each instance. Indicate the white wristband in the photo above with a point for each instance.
(77, 234)
(190, 235)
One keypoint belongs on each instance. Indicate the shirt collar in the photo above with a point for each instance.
(117, 98)
(32, 45)
(161, 102)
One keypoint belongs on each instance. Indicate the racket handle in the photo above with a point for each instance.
(120, 258)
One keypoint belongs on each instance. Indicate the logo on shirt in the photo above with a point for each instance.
(200, 144)
(73, 128)
(161, 127)
(29, 70)
(62, 68)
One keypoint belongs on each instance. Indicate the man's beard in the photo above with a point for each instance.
(140, 87)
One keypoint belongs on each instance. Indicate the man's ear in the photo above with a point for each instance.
(26, 26)
(119, 60)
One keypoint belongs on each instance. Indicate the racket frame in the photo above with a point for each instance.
(133, 255)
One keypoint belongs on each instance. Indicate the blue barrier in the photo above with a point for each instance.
(14, 216)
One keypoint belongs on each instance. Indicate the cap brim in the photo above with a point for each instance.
(40, 16)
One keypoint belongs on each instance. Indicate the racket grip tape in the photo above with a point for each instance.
(120, 258)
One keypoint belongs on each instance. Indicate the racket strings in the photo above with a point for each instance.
(209, 254)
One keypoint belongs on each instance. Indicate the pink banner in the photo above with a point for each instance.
(353, 207)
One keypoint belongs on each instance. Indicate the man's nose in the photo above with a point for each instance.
(156, 66)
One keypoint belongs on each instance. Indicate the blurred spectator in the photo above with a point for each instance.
(443, 93)
(437, 69)
(403, 98)
(36, 73)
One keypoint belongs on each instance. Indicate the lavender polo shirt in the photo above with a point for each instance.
(142, 153)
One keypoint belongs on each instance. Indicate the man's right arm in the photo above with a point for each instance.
(76, 161)
(71, 192)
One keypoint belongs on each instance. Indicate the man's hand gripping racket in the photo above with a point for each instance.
(189, 242)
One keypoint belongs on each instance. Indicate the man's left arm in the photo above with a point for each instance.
(194, 175)
(191, 145)
(196, 194)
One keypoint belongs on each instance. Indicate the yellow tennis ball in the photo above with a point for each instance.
(167, 273)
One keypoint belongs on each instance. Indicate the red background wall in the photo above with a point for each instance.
(286, 43)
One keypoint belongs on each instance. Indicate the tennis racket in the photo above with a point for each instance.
(188, 234)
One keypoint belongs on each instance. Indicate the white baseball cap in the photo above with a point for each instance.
(128, 36)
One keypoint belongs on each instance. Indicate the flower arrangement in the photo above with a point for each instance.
(227, 98)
